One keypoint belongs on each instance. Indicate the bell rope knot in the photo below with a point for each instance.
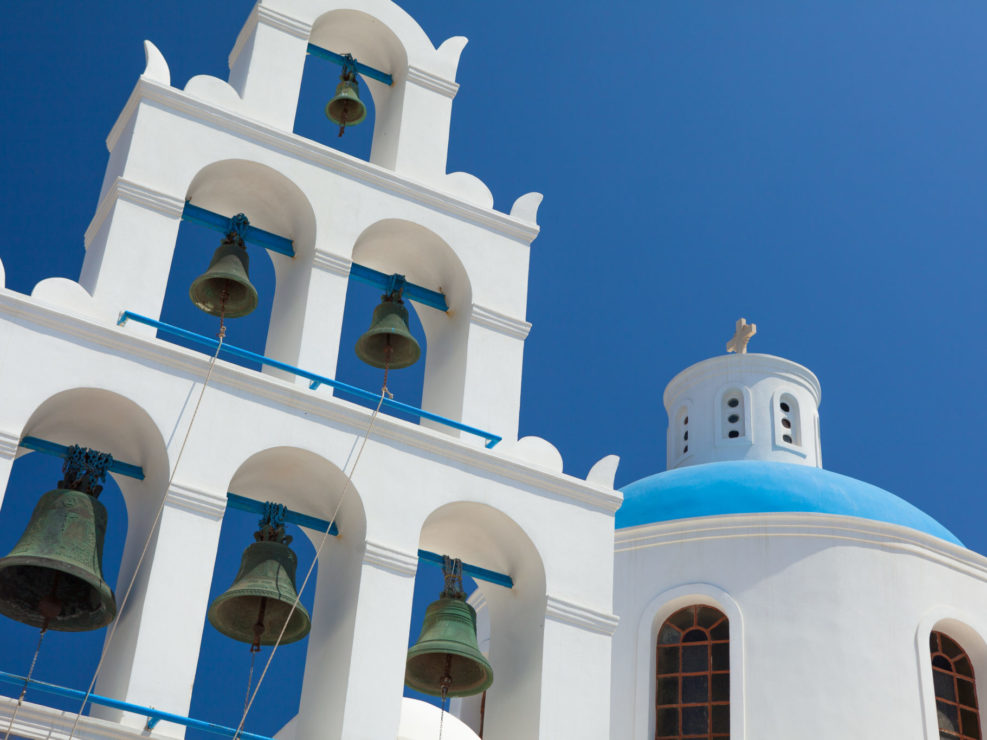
(272, 524)
(237, 229)
(84, 469)
(452, 572)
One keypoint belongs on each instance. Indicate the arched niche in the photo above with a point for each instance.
(482, 535)
(108, 422)
(373, 43)
(308, 483)
(424, 258)
(274, 203)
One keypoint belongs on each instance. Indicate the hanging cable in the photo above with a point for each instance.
(315, 560)
(157, 517)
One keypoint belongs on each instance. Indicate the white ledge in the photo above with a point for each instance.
(334, 263)
(22, 310)
(9, 444)
(499, 322)
(567, 612)
(390, 559)
(196, 501)
(432, 82)
(317, 155)
(133, 192)
(38, 722)
(838, 528)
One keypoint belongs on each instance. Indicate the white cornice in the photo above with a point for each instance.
(389, 559)
(22, 309)
(333, 263)
(730, 365)
(9, 444)
(269, 17)
(196, 501)
(499, 322)
(132, 192)
(432, 82)
(318, 155)
(37, 722)
(580, 616)
(866, 532)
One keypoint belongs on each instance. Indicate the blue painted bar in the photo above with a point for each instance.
(57, 450)
(202, 217)
(417, 293)
(152, 714)
(315, 379)
(331, 56)
(253, 506)
(482, 574)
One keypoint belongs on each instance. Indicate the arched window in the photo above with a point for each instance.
(692, 692)
(956, 689)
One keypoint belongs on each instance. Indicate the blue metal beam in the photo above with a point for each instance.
(202, 217)
(153, 715)
(417, 293)
(57, 450)
(302, 520)
(314, 379)
(475, 571)
(331, 56)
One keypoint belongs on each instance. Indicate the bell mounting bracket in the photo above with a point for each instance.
(452, 574)
(272, 524)
(85, 469)
(347, 61)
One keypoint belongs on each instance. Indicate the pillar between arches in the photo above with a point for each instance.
(8, 452)
(155, 650)
(129, 248)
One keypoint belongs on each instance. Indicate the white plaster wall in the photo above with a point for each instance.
(762, 380)
(829, 615)
(567, 524)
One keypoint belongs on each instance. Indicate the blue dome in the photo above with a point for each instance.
(753, 487)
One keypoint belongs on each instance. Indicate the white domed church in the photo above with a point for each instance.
(745, 592)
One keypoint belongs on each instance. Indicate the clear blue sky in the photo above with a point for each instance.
(817, 167)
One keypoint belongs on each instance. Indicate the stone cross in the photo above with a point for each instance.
(741, 337)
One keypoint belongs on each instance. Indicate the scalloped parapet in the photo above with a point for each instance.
(537, 451)
(525, 208)
(155, 67)
(604, 471)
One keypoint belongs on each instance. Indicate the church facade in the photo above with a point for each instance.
(745, 592)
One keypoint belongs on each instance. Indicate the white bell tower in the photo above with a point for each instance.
(460, 483)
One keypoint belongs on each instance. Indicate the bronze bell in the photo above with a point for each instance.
(53, 577)
(388, 342)
(255, 607)
(446, 660)
(225, 289)
(346, 108)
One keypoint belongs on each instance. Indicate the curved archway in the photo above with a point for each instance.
(271, 202)
(373, 43)
(511, 619)
(399, 246)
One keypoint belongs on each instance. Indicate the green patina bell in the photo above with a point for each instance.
(388, 341)
(225, 289)
(446, 660)
(255, 607)
(53, 577)
(346, 108)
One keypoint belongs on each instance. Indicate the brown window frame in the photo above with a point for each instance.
(693, 665)
(955, 688)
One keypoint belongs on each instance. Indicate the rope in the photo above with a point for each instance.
(315, 560)
(27, 680)
(157, 517)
